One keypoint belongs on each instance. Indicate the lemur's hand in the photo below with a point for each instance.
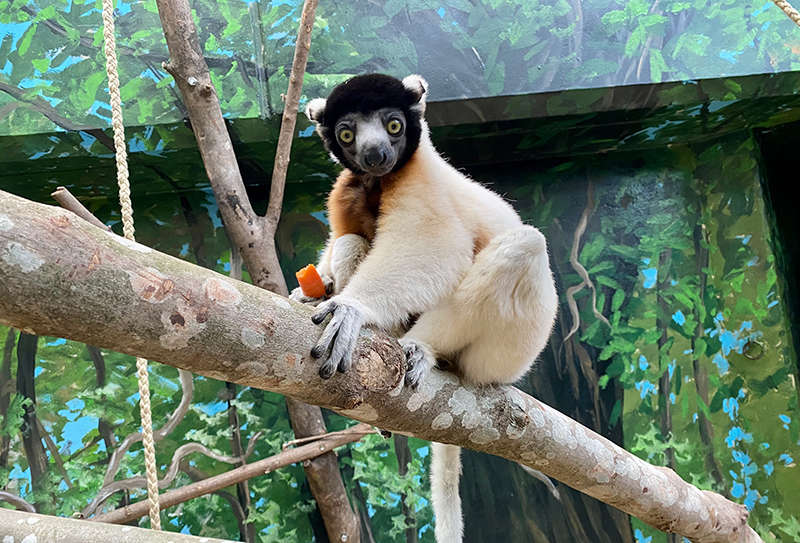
(338, 341)
(298, 296)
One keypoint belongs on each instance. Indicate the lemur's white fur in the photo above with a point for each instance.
(458, 255)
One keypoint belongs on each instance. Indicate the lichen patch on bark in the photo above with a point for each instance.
(16, 254)
(253, 339)
(221, 292)
(6, 223)
(442, 421)
(428, 388)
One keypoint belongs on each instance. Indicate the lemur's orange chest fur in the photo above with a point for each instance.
(353, 206)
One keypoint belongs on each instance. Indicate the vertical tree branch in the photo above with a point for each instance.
(31, 438)
(662, 323)
(664, 405)
(6, 387)
(104, 428)
(288, 122)
(247, 530)
(254, 236)
(403, 454)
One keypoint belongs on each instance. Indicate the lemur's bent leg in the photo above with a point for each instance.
(499, 318)
(494, 326)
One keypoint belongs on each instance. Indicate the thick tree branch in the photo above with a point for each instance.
(24, 526)
(191, 74)
(124, 296)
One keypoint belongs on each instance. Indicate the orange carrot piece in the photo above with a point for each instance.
(310, 282)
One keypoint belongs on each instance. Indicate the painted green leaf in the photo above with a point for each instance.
(41, 64)
(25, 43)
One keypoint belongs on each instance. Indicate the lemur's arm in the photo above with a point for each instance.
(416, 260)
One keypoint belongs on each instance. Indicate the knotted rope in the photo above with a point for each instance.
(787, 8)
(110, 50)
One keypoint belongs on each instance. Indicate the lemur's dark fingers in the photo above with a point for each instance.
(327, 369)
(326, 340)
(323, 310)
(326, 346)
(347, 339)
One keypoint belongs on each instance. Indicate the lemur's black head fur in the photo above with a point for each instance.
(366, 95)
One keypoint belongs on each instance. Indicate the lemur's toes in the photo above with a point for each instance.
(327, 369)
(418, 362)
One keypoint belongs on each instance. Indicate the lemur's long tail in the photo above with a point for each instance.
(445, 476)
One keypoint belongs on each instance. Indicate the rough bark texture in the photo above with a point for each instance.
(121, 295)
(30, 527)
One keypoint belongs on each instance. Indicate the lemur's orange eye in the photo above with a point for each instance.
(346, 136)
(394, 127)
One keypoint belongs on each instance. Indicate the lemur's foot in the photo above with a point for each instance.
(419, 361)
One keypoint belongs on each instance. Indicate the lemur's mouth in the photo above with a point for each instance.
(378, 171)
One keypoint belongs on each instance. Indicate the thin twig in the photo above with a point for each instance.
(288, 122)
(578, 267)
(51, 446)
(133, 483)
(238, 511)
(17, 502)
(309, 439)
(243, 473)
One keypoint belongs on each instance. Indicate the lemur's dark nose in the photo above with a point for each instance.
(375, 156)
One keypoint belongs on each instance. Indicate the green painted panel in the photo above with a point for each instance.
(52, 67)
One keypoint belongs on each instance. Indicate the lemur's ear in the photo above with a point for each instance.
(419, 87)
(315, 109)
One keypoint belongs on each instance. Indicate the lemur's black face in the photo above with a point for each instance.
(372, 142)
(371, 123)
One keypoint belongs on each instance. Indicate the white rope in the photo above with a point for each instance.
(110, 50)
(787, 8)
